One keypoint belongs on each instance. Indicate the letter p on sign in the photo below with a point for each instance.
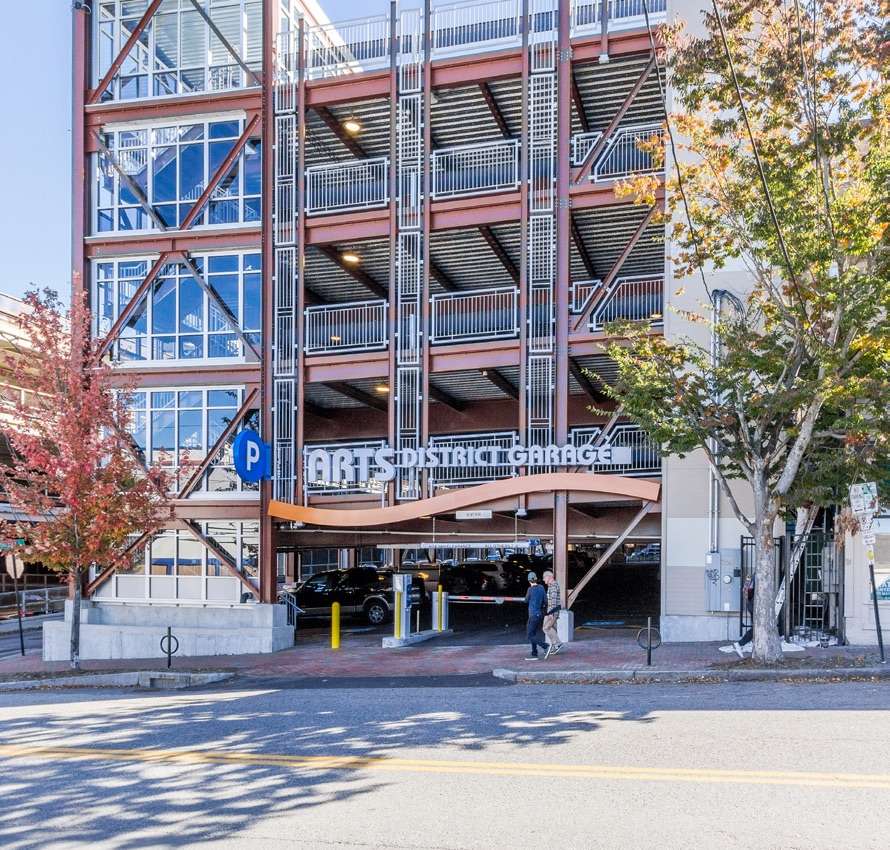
(251, 457)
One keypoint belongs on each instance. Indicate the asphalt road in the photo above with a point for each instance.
(10, 646)
(465, 766)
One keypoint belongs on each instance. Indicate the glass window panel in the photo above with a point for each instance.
(166, 33)
(190, 132)
(191, 172)
(225, 129)
(190, 556)
(223, 398)
(133, 218)
(221, 479)
(190, 430)
(164, 173)
(226, 286)
(164, 400)
(223, 263)
(223, 345)
(224, 212)
(252, 301)
(194, 40)
(167, 213)
(105, 221)
(165, 83)
(191, 347)
(163, 437)
(191, 398)
(192, 81)
(163, 306)
(253, 168)
(250, 548)
(253, 209)
(253, 262)
(163, 555)
(218, 152)
(163, 348)
(191, 306)
(217, 422)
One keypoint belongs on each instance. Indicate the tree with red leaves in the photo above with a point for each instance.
(77, 478)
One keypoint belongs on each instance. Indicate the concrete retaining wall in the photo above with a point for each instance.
(115, 630)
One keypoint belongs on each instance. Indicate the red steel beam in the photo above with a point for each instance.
(331, 122)
(582, 249)
(125, 51)
(593, 154)
(500, 253)
(495, 110)
(172, 241)
(579, 105)
(596, 297)
(220, 172)
(224, 557)
(133, 303)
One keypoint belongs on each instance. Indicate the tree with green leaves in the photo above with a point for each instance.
(781, 160)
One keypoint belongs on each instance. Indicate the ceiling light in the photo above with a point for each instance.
(350, 257)
(352, 126)
(381, 388)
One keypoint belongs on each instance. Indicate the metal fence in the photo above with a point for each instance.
(623, 154)
(459, 475)
(347, 47)
(478, 315)
(355, 185)
(630, 300)
(356, 326)
(809, 600)
(475, 169)
(459, 27)
(35, 601)
(645, 455)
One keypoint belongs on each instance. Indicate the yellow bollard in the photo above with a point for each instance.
(398, 623)
(335, 625)
(441, 604)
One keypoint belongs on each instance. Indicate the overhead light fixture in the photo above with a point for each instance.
(352, 126)
(382, 389)
(350, 257)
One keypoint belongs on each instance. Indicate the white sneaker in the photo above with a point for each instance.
(728, 648)
(738, 650)
(549, 651)
(559, 646)
(532, 658)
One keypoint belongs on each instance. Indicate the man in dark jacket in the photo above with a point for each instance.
(536, 598)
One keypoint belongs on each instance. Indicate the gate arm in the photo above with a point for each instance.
(608, 553)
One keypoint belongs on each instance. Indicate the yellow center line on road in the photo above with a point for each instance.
(880, 781)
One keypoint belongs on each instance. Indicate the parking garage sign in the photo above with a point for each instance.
(380, 464)
(252, 457)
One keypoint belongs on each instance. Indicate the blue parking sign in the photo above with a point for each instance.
(253, 457)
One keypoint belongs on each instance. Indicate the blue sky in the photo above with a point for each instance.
(35, 64)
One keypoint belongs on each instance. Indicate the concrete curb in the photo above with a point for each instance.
(646, 675)
(416, 637)
(166, 679)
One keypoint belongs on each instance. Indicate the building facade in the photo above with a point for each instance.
(398, 235)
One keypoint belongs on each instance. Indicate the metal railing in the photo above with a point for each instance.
(623, 156)
(476, 315)
(475, 169)
(586, 14)
(359, 184)
(461, 475)
(581, 292)
(356, 326)
(582, 143)
(347, 47)
(630, 300)
(460, 27)
(36, 600)
(645, 456)
(342, 488)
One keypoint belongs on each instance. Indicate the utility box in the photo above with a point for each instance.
(723, 580)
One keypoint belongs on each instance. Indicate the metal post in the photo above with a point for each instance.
(648, 641)
(874, 600)
(335, 625)
(18, 607)
(398, 615)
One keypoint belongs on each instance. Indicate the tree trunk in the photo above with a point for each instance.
(767, 644)
(75, 618)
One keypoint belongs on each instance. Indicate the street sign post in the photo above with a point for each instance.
(864, 502)
(15, 568)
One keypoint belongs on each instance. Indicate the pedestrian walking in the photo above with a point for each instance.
(554, 606)
(536, 599)
(748, 636)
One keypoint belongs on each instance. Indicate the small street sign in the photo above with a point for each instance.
(15, 567)
(864, 498)
(473, 514)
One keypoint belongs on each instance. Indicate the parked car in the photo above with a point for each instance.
(360, 591)
(484, 578)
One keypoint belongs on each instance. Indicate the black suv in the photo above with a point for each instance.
(360, 590)
(484, 578)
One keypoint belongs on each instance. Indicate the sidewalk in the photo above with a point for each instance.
(362, 657)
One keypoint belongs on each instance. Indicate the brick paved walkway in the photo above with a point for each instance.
(362, 656)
